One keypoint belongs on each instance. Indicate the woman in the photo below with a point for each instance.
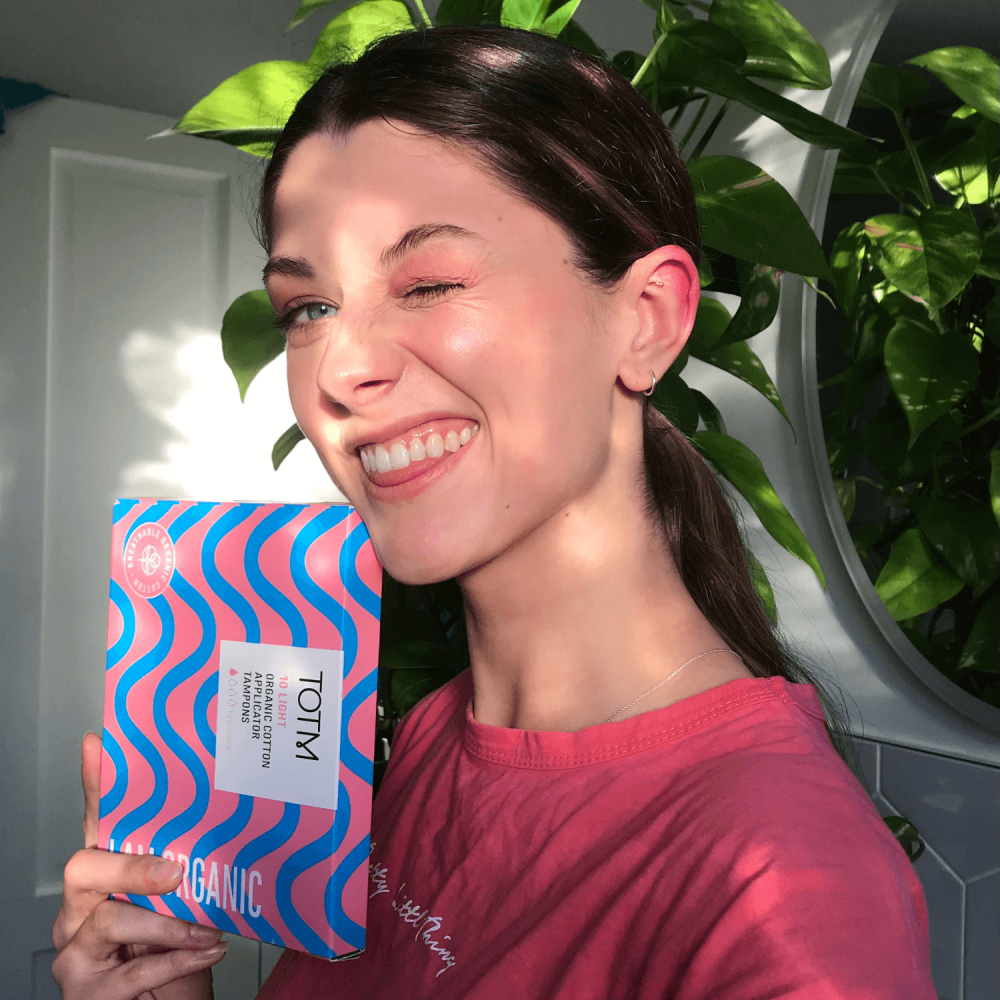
(483, 250)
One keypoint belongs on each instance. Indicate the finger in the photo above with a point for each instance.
(90, 774)
(78, 979)
(113, 923)
(91, 876)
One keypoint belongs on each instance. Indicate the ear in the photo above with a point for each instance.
(661, 291)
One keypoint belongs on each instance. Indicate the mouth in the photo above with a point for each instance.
(417, 453)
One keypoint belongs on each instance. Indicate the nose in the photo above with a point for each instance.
(360, 363)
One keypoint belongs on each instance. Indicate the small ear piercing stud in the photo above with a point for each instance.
(660, 283)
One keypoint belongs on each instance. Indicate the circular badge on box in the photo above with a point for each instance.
(149, 560)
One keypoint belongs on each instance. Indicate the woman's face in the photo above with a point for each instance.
(455, 374)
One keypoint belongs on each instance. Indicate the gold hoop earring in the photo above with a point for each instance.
(649, 391)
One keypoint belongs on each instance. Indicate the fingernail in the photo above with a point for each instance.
(212, 953)
(163, 870)
(203, 935)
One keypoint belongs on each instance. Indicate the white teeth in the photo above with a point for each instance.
(399, 456)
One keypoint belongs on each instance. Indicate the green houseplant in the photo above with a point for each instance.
(917, 469)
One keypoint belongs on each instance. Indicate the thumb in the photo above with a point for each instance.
(90, 773)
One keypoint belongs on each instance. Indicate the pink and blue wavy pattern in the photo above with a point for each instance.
(284, 574)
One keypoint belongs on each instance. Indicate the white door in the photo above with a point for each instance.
(118, 257)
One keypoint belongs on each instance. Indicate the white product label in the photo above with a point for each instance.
(278, 726)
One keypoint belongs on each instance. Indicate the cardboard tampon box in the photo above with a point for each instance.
(239, 715)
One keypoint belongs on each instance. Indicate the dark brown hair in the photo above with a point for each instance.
(572, 137)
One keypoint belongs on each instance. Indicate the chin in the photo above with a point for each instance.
(416, 568)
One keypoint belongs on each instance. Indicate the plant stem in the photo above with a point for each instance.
(676, 116)
(709, 132)
(992, 415)
(925, 189)
(423, 13)
(649, 59)
(694, 125)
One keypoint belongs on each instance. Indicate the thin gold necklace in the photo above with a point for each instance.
(674, 674)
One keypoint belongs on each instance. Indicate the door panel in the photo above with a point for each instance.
(120, 257)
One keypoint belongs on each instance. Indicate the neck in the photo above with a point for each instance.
(579, 618)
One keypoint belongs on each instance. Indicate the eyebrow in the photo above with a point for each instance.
(293, 267)
(414, 237)
(298, 267)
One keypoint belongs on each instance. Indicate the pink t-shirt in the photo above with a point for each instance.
(716, 849)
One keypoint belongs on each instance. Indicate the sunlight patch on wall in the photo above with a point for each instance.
(217, 448)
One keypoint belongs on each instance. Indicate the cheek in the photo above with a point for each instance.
(469, 341)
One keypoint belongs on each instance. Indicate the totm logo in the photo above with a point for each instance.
(149, 560)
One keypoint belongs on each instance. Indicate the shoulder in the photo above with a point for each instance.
(790, 854)
(766, 766)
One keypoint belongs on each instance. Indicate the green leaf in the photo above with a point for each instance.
(759, 293)
(929, 372)
(284, 445)
(967, 173)
(932, 257)
(307, 7)
(666, 18)
(965, 535)
(885, 444)
(574, 35)
(250, 340)
(847, 494)
(412, 639)
(676, 402)
(867, 536)
(898, 175)
(989, 262)
(527, 14)
(712, 40)
(684, 61)
(747, 213)
(913, 580)
(468, 12)
(855, 174)
(250, 109)
(709, 325)
(709, 412)
(777, 46)
(739, 360)
(982, 648)
(407, 687)
(995, 483)
(763, 587)
(894, 87)
(906, 833)
(353, 30)
(743, 469)
(847, 258)
(974, 75)
(557, 19)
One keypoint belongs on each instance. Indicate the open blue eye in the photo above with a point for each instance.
(301, 315)
(315, 310)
